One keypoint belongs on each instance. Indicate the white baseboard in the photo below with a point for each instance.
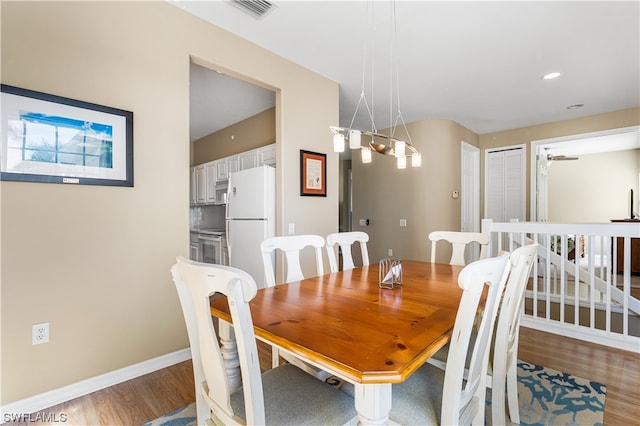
(84, 387)
(600, 337)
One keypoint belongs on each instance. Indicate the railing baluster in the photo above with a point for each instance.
(601, 292)
(606, 267)
(591, 286)
(627, 285)
(576, 295)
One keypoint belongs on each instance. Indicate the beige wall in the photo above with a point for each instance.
(384, 195)
(524, 135)
(594, 188)
(253, 132)
(94, 261)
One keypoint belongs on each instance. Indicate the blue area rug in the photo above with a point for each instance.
(549, 397)
(546, 397)
(185, 416)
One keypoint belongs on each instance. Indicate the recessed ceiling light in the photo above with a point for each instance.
(575, 106)
(551, 76)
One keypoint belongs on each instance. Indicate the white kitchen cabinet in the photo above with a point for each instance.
(233, 163)
(208, 180)
(193, 185)
(248, 160)
(201, 184)
(225, 166)
(222, 170)
(194, 251)
(267, 155)
(194, 247)
(211, 179)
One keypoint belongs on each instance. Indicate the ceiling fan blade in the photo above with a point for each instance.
(562, 157)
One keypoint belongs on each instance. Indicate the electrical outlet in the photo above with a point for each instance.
(40, 333)
(390, 252)
(403, 222)
(292, 228)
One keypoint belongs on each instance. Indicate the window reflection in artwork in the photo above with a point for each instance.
(45, 138)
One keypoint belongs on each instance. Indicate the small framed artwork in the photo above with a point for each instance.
(313, 174)
(48, 138)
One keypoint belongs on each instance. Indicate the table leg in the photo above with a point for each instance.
(229, 350)
(373, 403)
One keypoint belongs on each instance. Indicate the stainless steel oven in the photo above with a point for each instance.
(213, 247)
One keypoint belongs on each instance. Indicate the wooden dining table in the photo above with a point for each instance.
(345, 324)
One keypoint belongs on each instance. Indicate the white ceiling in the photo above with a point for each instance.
(218, 101)
(478, 63)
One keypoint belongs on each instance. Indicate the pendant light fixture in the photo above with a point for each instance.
(375, 141)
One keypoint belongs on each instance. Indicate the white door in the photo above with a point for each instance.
(470, 205)
(505, 189)
(470, 188)
(505, 184)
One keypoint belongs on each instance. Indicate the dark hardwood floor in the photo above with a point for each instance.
(147, 397)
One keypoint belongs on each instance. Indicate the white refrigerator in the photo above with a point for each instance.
(251, 217)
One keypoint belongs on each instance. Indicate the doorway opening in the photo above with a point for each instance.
(233, 127)
(585, 177)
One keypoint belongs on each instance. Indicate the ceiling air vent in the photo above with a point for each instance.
(256, 8)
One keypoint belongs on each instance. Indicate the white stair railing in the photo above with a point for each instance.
(580, 295)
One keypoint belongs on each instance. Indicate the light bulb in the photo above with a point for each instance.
(354, 139)
(402, 162)
(399, 148)
(366, 154)
(416, 160)
(338, 142)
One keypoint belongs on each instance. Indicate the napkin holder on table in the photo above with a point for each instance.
(389, 273)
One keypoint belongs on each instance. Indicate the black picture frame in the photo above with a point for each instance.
(313, 174)
(53, 139)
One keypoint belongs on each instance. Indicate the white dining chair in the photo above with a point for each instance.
(459, 242)
(291, 246)
(283, 395)
(504, 348)
(344, 241)
(433, 396)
